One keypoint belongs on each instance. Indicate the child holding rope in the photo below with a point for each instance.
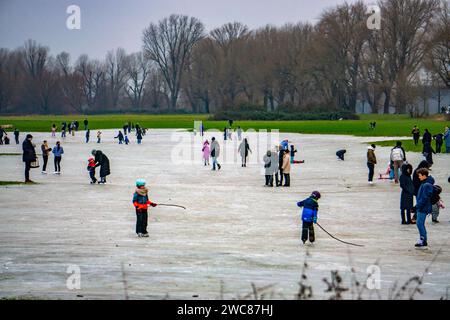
(309, 215)
(141, 203)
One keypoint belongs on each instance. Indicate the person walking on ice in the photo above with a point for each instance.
(424, 206)
(371, 161)
(215, 153)
(243, 149)
(58, 151)
(141, 203)
(397, 157)
(99, 136)
(309, 216)
(206, 152)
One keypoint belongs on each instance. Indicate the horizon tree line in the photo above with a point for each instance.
(327, 66)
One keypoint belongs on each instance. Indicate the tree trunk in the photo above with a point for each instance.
(387, 101)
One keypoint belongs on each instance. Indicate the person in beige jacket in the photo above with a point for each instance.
(287, 168)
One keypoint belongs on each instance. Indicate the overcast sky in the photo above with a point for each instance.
(108, 24)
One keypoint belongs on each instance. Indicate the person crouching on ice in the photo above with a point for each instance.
(141, 203)
(309, 216)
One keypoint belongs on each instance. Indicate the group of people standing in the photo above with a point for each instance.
(427, 138)
(4, 139)
(418, 183)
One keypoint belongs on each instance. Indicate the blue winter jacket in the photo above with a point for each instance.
(424, 196)
(310, 209)
(58, 153)
(447, 138)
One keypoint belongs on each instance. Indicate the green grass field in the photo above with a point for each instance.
(387, 125)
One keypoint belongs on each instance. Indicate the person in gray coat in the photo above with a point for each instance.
(215, 153)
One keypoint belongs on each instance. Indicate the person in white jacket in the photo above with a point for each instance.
(215, 153)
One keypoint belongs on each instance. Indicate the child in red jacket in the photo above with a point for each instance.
(141, 203)
(91, 169)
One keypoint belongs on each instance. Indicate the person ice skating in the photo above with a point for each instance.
(239, 133)
(225, 133)
(436, 203)
(286, 168)
(407, 195)
(53, 130)
(126, 140)
(309, 216)
(397, 157)
(439, 139)
(86, 123)
(63, 129)
(279, 174)
(428, 152)
(423, 205)
(416, 135)
(292, 153)
(206, 152)
(99, 136)
(268, 168)
(426, 137)
(202, 129)
(139, 135)
(120, 137)
(88, 135)
(371, 161)
(244, 149)
(102, 161)
(16, 135)
(29, 155)
(447, 139)
(45, 152)
(215, 153)
(141, 202)
(340, 154)
(58, 151)
(91, 170)
(2, 133)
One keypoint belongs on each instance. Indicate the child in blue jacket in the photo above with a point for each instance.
(309, 216)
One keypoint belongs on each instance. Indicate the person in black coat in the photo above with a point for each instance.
(439, 138)
(428, 152)
(102, 161)
(29, 155)
(426, 137)
(406, 198)
(279, 182)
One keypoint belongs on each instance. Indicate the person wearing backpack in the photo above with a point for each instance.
(424, 206)
(397, 157)
(436, 203)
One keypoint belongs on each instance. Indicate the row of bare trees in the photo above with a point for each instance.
(332, 64)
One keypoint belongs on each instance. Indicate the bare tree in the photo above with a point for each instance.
(169, 44)
(71, 83)
(138, 69)
(116, 73)
(93, 80)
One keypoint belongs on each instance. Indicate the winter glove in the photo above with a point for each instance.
(153, 204)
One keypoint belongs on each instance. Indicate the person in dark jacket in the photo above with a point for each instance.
(428, 152)
(45, 149)
(416, 135)
(102, 161)
(86, 123)
(139, 136)
(279, 181)
(16, 135)
(120, 137)
(426, 137)
(340, 154)
(415, 177)
(407, 196)
(29, 155)
(371, 161)
(439, 138)
(423, 205)
(309, 216)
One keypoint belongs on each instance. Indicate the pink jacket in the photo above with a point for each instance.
(206, 150)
